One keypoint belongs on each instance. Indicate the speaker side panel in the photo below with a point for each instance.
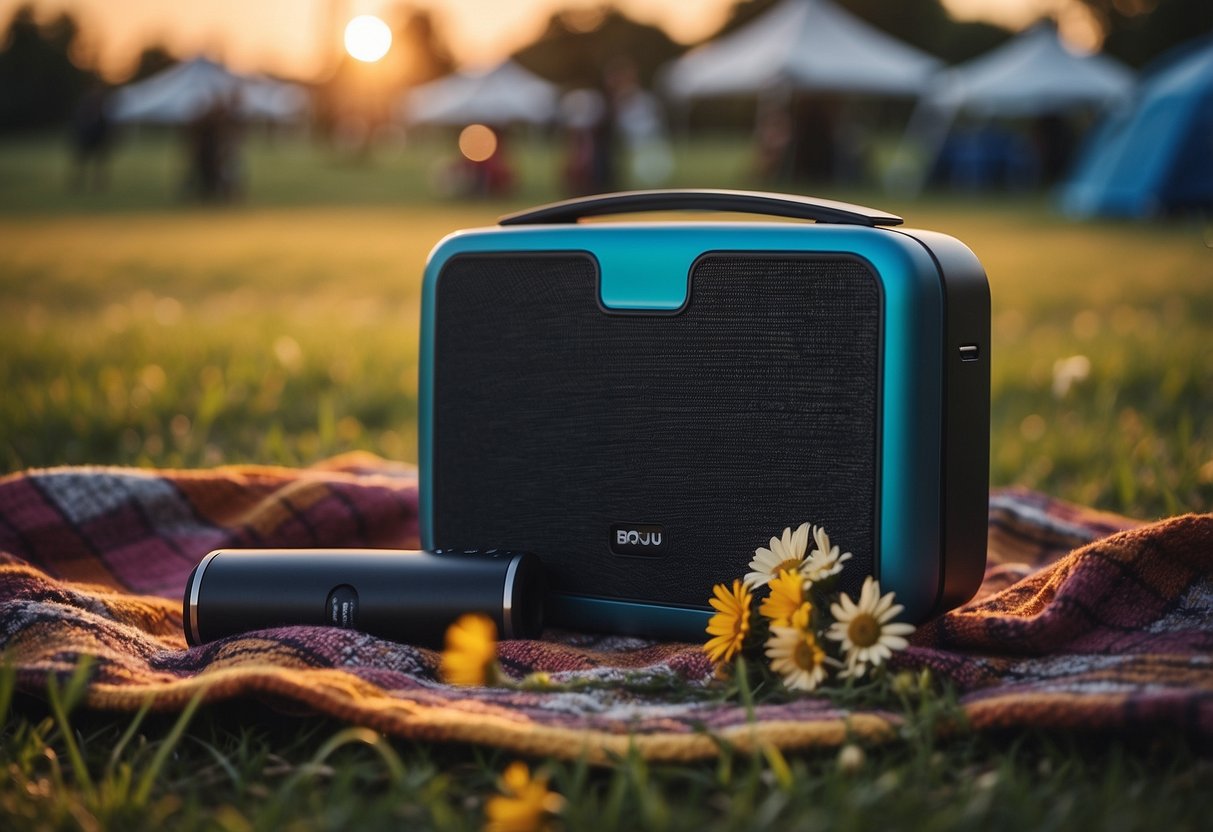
(557, 423)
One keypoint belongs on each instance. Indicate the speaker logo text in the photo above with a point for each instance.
(636, 539)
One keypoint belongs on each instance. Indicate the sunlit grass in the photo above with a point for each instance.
(198, 339)
(141, 330)
(245, 767)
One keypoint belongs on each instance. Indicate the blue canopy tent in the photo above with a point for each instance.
(1155, 156)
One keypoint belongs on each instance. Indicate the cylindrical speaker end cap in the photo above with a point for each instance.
(523, 597)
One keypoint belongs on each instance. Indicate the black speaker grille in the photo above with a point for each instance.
(753, 409)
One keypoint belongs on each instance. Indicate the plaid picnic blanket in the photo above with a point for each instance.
(1085, 621)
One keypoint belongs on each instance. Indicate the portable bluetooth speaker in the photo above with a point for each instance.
(641, 405)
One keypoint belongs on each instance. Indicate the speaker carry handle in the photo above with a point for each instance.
(748, 202)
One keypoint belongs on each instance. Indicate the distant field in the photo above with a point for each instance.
(142, 330)
(289, 171)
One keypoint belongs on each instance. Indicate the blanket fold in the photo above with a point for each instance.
(1086, 620)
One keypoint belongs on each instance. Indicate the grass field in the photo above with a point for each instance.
(136, 329)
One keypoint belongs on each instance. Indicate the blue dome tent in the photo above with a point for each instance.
(1155, 156)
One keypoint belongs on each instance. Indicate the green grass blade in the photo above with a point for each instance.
(127, 735)
(8, 686)
(350, 736)
(148, 779)
(62, 701)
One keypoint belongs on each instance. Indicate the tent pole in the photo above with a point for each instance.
(920, 146)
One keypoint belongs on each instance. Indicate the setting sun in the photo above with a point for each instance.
(367, 38)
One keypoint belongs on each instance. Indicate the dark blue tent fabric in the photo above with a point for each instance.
(1156, 156)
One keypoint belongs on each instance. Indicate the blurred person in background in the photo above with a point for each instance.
(91, 137)
(582, 113)
(483, 167)
(214, 171)
(604, 151)
(772, 140)
(493, 176)
(813, 146)
(640, 123)
(1054, 141)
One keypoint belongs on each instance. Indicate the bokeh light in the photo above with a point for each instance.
(367, 38)
(477, 142)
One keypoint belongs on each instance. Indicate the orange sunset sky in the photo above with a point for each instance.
(291, 37)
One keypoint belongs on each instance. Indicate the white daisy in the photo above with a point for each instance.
(825, 559)
(867, 630)
(795, 654)
(785, 554)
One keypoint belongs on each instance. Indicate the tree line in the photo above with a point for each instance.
(42, 76)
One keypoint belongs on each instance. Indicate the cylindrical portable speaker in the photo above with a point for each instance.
(405, 596)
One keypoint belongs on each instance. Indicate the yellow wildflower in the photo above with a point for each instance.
(731, 623)
(525, 804)
(470, 657)
(787, 594)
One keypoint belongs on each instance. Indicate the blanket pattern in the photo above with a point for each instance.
(1085, 621)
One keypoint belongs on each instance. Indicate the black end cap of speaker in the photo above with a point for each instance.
(527, 593)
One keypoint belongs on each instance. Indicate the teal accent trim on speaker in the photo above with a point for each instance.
(644, 267)
(630, 618)
(632, 278)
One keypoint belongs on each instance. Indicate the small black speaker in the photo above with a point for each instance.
(642, 405)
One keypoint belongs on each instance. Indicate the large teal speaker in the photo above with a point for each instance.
(643, 404)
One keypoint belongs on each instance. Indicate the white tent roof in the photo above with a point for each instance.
(1032, 74)
(807, 44)
(190, 88)
(503, 94)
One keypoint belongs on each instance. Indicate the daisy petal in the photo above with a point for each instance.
(800, 539)
(891, 613)
(894, 642)
(866, 595)
(756, 579)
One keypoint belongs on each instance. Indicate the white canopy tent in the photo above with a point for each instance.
(1030, 75)
(1034, 74)
(802, 44)
(185, 91)
(504, 94)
